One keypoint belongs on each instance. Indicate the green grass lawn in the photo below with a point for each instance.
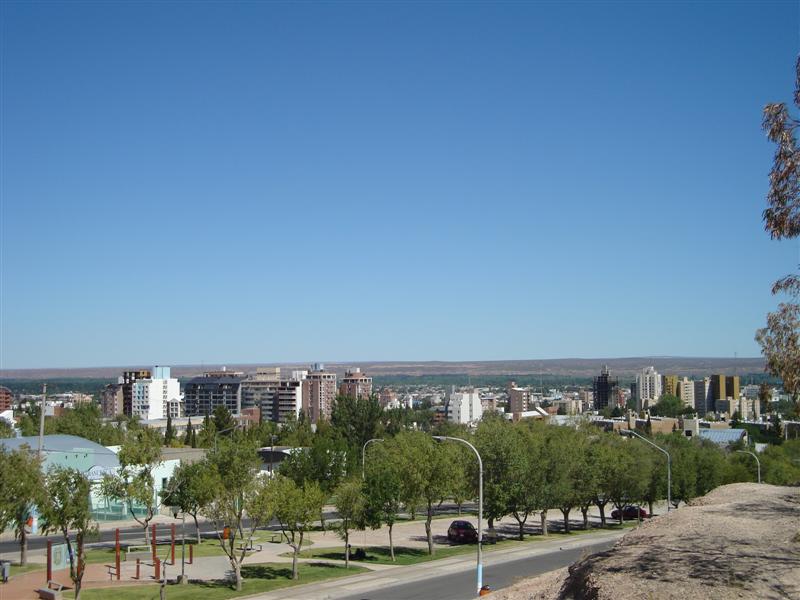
(31, 566)
(258, 578)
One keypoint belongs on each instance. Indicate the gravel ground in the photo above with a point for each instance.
(739, 541)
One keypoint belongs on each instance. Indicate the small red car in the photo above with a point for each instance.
(630, 512)
(462, 532)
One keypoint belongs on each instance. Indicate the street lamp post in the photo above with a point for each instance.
(480, 502)
(271, 454)
(364, 456)
(758, 462)
(669, 463)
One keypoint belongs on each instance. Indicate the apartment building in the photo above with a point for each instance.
(464, 407)
(156, 397)
(519, 399)
(648, 388)
(686, 391)
(603, 388)
(703, 396)
(356, 384)
(201, 395)
(319, 393)
(111, 400)
(127, 380)
(6, 399)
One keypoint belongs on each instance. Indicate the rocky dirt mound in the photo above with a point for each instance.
(739, 541)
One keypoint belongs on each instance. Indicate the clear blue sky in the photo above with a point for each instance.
(261, 182)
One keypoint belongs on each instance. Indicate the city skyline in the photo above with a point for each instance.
(198, 183)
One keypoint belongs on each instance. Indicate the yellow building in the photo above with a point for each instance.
(669, 385)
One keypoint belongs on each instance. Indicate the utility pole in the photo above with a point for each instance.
(41, 420)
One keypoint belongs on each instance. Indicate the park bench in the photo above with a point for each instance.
(51, 592)
(250, 547)
(276, 537)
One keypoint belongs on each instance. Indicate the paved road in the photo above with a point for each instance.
(462, 585)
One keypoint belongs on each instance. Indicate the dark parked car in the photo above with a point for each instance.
(630, 512)
(462, 532)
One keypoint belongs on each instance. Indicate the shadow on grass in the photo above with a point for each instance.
(374, 554)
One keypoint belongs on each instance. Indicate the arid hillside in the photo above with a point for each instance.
(739, 541)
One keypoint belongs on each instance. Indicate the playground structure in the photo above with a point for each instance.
(123, 568)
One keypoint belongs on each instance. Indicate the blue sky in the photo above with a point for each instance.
(258, 182)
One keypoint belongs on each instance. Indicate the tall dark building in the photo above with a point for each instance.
(202, 395)
(603, 387)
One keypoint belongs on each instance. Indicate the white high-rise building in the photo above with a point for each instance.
(686, 391)
(156, 397)
(464, 407)
(648, 388)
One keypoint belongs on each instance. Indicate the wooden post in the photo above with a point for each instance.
(158, 569)
(173, 544)
(49, 560)
(153, 541)
(191, 554)
(138, 566)
(116, 544)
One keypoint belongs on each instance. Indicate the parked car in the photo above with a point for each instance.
(630, 512)
(462, 532)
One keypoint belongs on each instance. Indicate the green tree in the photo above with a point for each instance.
(780, 339)
(426, 470)
(604, 455)
(224, 423)
(350, 506)
(520, 493)
(296, 509)
(237, 490)
(191, 488)
(497, 449)
(384, 490)
(133, 484)
(21, 489)
(207, 434)
(6, 430)
(169, 432)
(628, 474)
(356, 420)
(65, 508)
(668, 406)
(188, 437)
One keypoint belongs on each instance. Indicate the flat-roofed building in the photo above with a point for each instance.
(6, 399)
(319, 393)
(686, 392)
(356, 384)
(201, 395)
(152, 398)
(603, 389)
(111, 400)
(127, 380)
(519, 399)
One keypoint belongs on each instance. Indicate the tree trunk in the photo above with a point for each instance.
(585, 512)
(650, 506)
(428, 531)
(237, 568)
(459, 509)
(23, 546)
(294, 557)
(619, 508)
(543, 519)
(391, 544)
(566, 519)
(197, 529)
(346, 549)
(521, 530)
(602, 507)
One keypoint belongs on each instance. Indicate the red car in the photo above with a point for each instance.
(630, 512)
(462, 532)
